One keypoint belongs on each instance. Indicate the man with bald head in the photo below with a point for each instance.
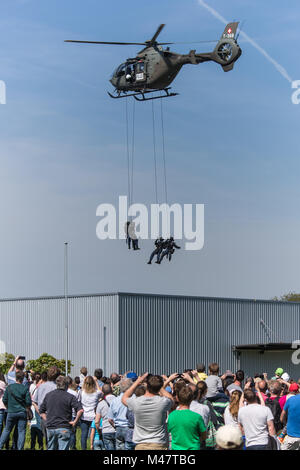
(263, 387)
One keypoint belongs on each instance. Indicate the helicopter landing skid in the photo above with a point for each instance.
(142, 93)
(140, 96)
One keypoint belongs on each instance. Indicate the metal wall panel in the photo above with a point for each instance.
(268, 362)
(143, 332)
(32, 326)
(170, 333)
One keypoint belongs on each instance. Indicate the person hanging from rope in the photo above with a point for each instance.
(131, 235)
(169, 249)
(128, 239)
(158, 249)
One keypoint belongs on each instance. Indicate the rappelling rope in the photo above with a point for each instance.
(154, 153)
(132, 151)
(164, 161)
(127, 152)
(163, 150)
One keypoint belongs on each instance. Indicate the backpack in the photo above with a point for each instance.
(276, 411)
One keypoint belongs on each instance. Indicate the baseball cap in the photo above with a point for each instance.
(229, 437)
(279, 371)
(285, 376)
(232, 387)
(132, 376)
(294, 387)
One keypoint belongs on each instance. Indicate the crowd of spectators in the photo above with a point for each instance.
(192, 410)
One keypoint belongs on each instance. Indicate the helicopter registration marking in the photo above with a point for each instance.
(228, 36)
(139, 76)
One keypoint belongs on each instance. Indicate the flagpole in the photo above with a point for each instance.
(66, 308)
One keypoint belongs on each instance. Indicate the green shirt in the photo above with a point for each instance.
(185, 427)
(20, 402)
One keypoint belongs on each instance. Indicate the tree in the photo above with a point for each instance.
(45, 361)
(290, 297)
(6, 361)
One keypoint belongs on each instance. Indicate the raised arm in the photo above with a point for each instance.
(188, 378)
(262, 401)
(131, 390)
(12, 368)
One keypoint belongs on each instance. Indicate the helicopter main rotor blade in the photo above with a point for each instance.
(104, 42)
(158, 31)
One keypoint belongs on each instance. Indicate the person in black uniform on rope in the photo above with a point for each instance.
(169, 249)
(131, 236)
(158, 249)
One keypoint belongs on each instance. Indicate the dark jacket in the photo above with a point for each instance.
(58, 406)
(16, 398)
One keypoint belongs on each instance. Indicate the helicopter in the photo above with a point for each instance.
(154, 68)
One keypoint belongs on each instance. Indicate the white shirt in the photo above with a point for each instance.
(254, 419)
(202, 410)
(229, 419)
(72, 392)
(89, 403)
(32, 389)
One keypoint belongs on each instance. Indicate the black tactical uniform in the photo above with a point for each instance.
(169, 249)
(159, 247)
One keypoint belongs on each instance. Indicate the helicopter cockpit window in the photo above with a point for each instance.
(120, 70)
(140, 71)
(140, 67)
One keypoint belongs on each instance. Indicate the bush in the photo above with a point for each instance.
(45, 361)
(6, 361)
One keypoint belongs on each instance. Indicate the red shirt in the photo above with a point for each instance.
(281, 401)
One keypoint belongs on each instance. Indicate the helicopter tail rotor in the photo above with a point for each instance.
(227, 51)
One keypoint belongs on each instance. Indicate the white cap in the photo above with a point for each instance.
(285, 376)
(229, 437)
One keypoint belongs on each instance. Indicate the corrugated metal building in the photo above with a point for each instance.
(157, 333)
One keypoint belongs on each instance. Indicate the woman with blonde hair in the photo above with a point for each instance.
(232, 410)
(89, 396)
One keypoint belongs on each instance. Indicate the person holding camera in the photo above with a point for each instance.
(18, 366)
(150, 411)
(16, 399)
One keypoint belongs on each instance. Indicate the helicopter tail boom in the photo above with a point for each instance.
(226, 52)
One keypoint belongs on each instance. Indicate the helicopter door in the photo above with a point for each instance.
(140, 71)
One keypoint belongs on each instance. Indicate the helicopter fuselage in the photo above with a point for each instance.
(155, 68)
(151, 69)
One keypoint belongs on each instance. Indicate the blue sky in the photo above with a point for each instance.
(231, 144)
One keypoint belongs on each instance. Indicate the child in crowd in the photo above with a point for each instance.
(96, 437)
(213, 381)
